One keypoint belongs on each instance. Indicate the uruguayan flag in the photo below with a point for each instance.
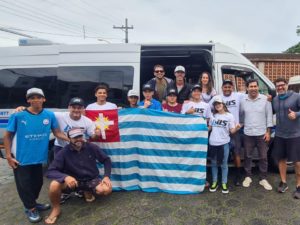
(159, 151)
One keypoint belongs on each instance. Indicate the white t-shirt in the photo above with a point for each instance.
(221, 124)
(232, 102)
(106, 106)
(65, 123)
(207, 97)
(201, 108)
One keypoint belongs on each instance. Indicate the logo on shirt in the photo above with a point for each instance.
(24, 122)
(199, 110)
(222, 123)
(45, 121)
(231, 103)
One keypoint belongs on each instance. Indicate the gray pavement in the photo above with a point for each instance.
(253, 206)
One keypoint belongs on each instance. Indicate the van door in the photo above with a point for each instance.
(239, 74)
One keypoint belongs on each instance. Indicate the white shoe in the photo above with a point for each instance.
(265, 184)
(247, 182)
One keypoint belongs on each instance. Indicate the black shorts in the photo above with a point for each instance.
(89, 185)
(286, 148)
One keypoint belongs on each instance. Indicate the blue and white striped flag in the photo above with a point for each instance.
(159, 151)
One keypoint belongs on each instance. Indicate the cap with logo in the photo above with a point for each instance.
(132, 93)
(218, 99)
(172, 92)
(197, 86)
(75, 132)
(179, 69)
(34, 91)
(76, 101)
(147, 87)
(227, 82)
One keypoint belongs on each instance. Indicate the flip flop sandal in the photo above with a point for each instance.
(51, 220)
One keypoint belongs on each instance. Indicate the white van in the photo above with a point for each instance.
(65, 71)
(294, 83)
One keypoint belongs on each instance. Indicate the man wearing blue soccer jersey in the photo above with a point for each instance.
(26, 143)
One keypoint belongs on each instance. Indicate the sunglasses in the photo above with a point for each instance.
(159, 71)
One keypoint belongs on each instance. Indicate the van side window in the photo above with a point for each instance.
(62, 83)
(239, 76)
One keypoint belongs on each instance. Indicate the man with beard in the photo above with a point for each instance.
(159, 83)
(256, 115)
(286, 105)
(74, 169)
(182, 88)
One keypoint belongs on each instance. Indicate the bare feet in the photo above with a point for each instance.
(51, 219)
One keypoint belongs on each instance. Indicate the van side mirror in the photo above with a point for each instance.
(272, 92)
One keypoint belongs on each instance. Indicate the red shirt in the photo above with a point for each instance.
(176, 109)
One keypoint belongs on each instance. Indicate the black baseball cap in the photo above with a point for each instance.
(227, 82)
(197, 86)
(76, 101)
(147, 87)
(172, 92)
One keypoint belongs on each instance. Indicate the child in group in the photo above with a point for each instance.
(171, 104)
(221, 125)
(196, 106)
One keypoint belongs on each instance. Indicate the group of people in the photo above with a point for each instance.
(74, 166)
(226, 113)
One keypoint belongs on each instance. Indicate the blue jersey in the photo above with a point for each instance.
(154, 104)
(31, 135)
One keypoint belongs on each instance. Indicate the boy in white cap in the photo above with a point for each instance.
(133, 97)
(26, 143)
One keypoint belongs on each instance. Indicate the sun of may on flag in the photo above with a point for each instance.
(154, 150)
(107, 122)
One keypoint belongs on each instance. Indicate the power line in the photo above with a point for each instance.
(14, 32)
(60, 34)
(76, 12)
(37, 11)
(109, 17)
(34, 18)
(125, 28)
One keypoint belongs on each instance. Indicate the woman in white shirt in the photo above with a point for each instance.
(221, 125)
(208, 92)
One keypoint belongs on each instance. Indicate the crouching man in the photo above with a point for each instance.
(74, 169)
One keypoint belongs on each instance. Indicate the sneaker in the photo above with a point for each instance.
(247, 182)
(297, 193)
(238, 180)
(33, 215)
(64, 197)
(282, 187)
(265, 184)
(79, 194)
(213, 187)
(42, 207)
(225, 189)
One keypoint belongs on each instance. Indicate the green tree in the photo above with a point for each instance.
(293, 49)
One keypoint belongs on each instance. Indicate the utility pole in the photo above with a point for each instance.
(124, 28)
(298, 30)
(15, 32)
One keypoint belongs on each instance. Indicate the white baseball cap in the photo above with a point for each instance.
(75, 132)
(179, 68)
(218, 99)
(132, 93)
(34, 91)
